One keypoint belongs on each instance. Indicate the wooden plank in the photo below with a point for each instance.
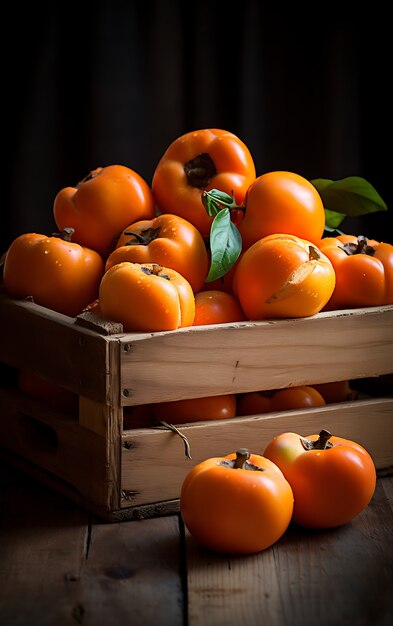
(133, 574)
(328, 577)
(60, 567)
(154, 463)
(106, 421)
(388, 491)
(53, 346)
(250, 356)
(42, 548)
(58, 444)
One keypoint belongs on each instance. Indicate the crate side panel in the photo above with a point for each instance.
(53, 346)
(154, 463)
(242, 357)
(58, 444)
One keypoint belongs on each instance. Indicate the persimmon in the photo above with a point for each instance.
(216, 307)
(282, 202)
(55, 271)
(237, 504)
(364, 271)
(283, 276)
(101, 205)
(291, 398)
(168, 240)
(333, 479)
(336, 391)
(196, 409)
(197, 161)
(146, 297)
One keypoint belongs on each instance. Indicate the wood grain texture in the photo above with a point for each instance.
(53, 346)
(154, 464)
(339, 577)
(60, 567)
(58, 444)
(251, 356)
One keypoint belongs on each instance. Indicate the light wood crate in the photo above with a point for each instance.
(119, 474)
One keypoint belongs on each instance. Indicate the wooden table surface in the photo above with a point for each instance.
(61, 565)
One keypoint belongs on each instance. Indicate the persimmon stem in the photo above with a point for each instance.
(143, 238)
(242, 455)
(323, 439)
(65, 234)
(241, 462)
(322, 443)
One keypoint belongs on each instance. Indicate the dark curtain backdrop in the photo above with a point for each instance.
(93, 84)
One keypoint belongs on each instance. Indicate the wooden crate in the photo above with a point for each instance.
(122, 474)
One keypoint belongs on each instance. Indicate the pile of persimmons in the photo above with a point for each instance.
(207, 242)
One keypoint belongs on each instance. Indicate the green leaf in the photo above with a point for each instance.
(350, 196)
(332, 232)
(333, 219)
(225, 245)
(215, 201)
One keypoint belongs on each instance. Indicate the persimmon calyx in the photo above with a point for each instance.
(155, 269)
(200, 170)
(298, 276)
(360, 247)
(322, 443)
(65, 234)
(143, 238)
(241, 461)
(89, 176)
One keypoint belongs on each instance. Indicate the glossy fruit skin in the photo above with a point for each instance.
(236, 511)
(58, 274)
(176, 187)
(102, 205)
(291, 398)
(330, 486)
(283, 276)
(282, 202)
(216, 307)
(196, 409)
(361, 279)
(337, 391)
(176, 244)
(146, 297)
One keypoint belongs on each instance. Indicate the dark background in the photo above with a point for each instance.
(93, 84)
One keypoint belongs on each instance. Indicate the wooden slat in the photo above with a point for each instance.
(248, 356)
(60, 567)
(106, 421)
(58, 444)
(154, 462)
(137, 563)
(42, 546)
(52, 345)
(332, 577)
